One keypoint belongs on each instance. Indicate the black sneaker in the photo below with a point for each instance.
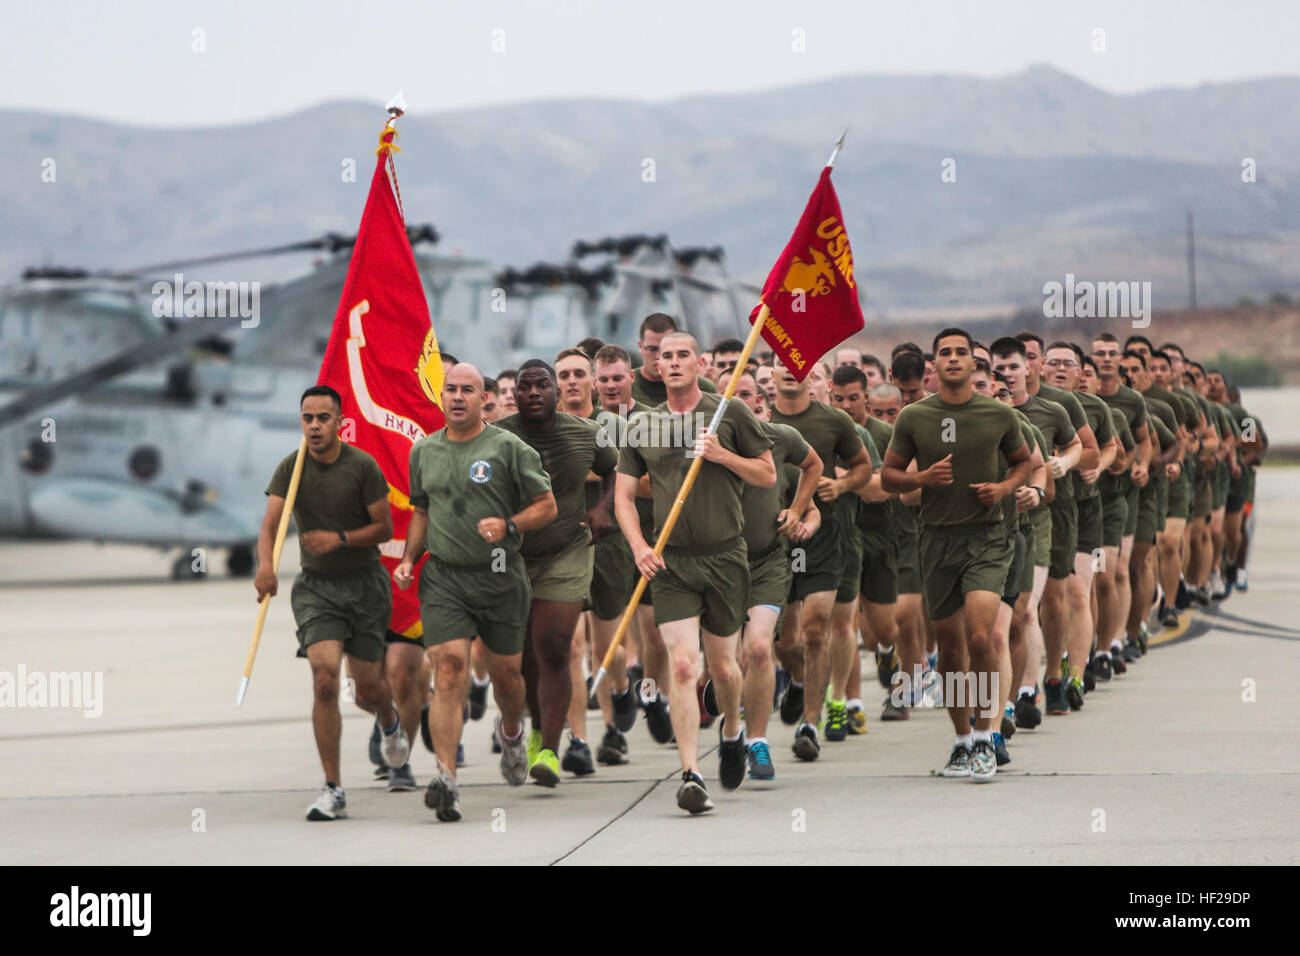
(1199, 596)
(781, 683)
(1169, 618)
(613, 747)
(1101, 667)
(886, 667)
(375, 753)
(1008, 728)
(426, 735)
(732, 759)
(710, 699)
(1183, 600)
(624, 707)
(1054, 697)
(1000, 752)
(657, 720)
(1028, 716)
(1117, 664)
(635, 674)
(806, 746)
(477, 700)
(1089, 680)
(692, 795)
(792, 704)
(577, 757)
(1132, 651)
(1074, 693)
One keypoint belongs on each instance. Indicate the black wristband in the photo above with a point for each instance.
(511, 527)
(343, 536)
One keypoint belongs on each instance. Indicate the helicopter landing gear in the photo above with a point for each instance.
(183, 569)
(240, 563)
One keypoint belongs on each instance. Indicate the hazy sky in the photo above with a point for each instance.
(135, 61)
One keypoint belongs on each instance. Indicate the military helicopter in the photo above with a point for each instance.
(122, 421)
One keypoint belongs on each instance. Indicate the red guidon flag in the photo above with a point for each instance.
(383, 360)
(811, 296)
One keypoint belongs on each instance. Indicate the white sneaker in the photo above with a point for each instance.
(395, 748)
(514, 757)
(330, 805)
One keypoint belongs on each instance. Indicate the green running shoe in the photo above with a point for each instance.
(837, 720)
(546, 768)
(534, 746)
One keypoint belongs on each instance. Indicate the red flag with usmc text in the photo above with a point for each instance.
(811, 295)
(383, 360)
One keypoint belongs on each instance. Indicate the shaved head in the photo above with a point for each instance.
(462, 397)
(678, 337)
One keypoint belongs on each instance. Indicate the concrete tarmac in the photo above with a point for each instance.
(1191, 758)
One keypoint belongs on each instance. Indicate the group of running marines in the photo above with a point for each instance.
(994, 523)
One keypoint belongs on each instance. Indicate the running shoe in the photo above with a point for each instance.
(624, 708)
(1169, 618)
(577, 757)
(1132, 651)
(893, 711)
(1117, 664)
(376, 737)
(692, 795)
(1242, 583)
(886, 667)
(546, 768)
(395, 747)
(657, 720)
(514, 756)
(707, 717)
(709, 699)
(1183, 599)
(426, 735)
(400, 779)
(330, 805)
(1217, 589)
(534, 745)
(460, 756)
(1000, 750)
(836, 723)
(731, 759)
(1143, 637)
(1089, 679)
(1101, 667)
(613, 747)
(1028, 716)
(477, 700)
(1008, 727)
(1199, 596)
(806, 746)
(958, 764)
(443, 796)
(782, 682)
(857, 721)
(792, 704)
(983, 762)
(1054, 697)
(1074, 693)
(760, 762)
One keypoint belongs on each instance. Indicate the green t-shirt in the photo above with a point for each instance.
(656, 393)
(1117, 485)
(570, 449)
(831, 433)
(875, 515)
(973, 433)
(660, 443)
(1131, 404)
(760, 506)
(1176, 403)
(1065, 486)
(1098, 413)
(1055, 423)
(333, 497)
(1010, 513)
(495, 474)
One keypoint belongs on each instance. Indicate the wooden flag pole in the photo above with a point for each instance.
(682, 495)
(280, 533)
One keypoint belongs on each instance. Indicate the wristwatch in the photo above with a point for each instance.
(1041, 493)
(343, 537)
(511, 528)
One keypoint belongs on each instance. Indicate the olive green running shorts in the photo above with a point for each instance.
(1202, 495)
(1090, 519)
(957, 559)
(1146, 522)
(353, 608)
(1114, 515)
(1238, 490)
(1065, 537)
(1016, 569)
(851, 578)
(879, 583)
(1179, 497)
(458, 602)
(1162, 503)
(909, 569)
(769, 576)
(818, 563)
(613, 578)
(565, 576)
(1041, 518)
(712, 585)
(1131, 501)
